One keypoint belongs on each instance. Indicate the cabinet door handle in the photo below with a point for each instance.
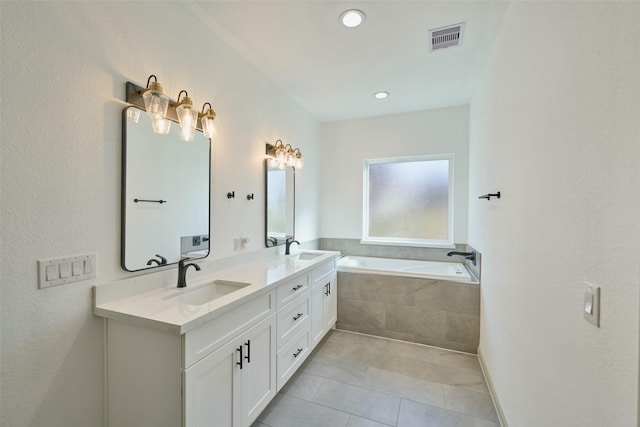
(326, 289)
(240, 362)
(298, 287)
(297, 353)
(248, 356)
(297, 316)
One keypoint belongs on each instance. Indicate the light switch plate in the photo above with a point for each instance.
(591, 304)
(71, 269)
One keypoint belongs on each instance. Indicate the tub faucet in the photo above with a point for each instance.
(182, 271)
(288, 243)
(471, 256)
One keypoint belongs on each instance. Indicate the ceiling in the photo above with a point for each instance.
(332, 71)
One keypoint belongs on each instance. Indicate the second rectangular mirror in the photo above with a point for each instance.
(280, 204)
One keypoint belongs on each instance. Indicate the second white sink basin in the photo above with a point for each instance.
(306, 256)
(205, 294)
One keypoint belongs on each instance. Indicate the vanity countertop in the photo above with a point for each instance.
(155, 308)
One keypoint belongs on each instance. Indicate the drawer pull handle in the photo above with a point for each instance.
(296, 317)
(248, 356)
(297, 353)
(240, 362)
(298, 287)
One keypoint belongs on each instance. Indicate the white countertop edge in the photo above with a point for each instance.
(135, 308)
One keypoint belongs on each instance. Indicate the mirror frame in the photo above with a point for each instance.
(268, 243)
(123, 197)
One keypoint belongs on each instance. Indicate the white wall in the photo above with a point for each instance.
(346, 144)
(64, 66)
(555, 126)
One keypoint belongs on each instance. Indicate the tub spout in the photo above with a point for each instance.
(471, 256)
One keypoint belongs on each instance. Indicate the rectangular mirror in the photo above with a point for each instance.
(165, 194)
(280, 204)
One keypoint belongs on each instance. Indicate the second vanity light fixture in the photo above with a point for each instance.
(284, 155)
(161, 110)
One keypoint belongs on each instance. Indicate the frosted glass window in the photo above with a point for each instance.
(409, 201)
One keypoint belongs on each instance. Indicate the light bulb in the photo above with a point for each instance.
(161, 126)
(187, 116)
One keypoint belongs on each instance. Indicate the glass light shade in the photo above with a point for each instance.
(299, 163)
(291, 159)
(133, 115)
(161, 126)
(281, 155)
(156, 103)
(208, 127)
(188, 118)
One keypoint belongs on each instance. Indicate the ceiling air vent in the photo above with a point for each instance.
(442, 38)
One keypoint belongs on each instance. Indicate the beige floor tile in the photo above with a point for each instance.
(287, 411)
(337, 369)
(355, 380)
(414, 414)
(404, 386)
(359, 401)
(303, 386)
(469, 402)
(355, 421)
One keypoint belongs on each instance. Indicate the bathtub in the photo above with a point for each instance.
(450, 271)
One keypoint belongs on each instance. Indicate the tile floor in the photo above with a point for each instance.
(354, 380)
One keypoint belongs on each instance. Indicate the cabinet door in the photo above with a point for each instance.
(212, 389)
(259, 369)
(330, 303)
(317, 313)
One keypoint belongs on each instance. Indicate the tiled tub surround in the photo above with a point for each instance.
(435, 312)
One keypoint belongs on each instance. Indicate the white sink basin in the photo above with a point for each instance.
(205, 294)
(306, 256)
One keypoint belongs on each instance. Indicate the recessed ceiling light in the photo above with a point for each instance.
(352, 18)
(380, 95)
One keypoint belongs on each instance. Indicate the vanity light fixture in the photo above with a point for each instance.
(284, 155)
(155, 101)
(206, 118)
(162, 110)
(352, 18)
(187, 116)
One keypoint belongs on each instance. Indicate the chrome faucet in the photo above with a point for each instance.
(182, 271)
(288, 243)
(471, 256)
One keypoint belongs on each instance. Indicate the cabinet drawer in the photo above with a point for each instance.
(322, 270)
(293, 318)
(208, 337)
(290, 290)
(291, 357)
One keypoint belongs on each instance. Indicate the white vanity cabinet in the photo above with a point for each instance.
(324, 301)
(165, 379)
(217, 364)
(231, 386)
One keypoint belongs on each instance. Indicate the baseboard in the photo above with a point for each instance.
(492, 391)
